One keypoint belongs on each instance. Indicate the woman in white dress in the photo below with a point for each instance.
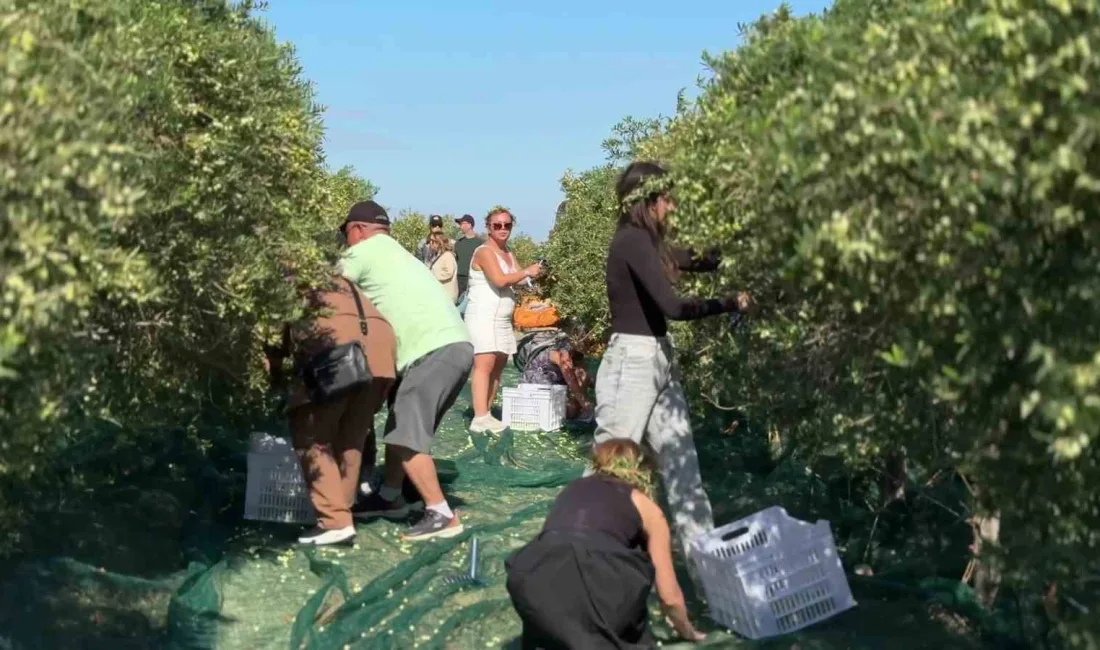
(489, 307)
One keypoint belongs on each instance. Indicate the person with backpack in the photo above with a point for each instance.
(333, 426)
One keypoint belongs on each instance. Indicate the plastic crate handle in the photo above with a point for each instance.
(734, 534)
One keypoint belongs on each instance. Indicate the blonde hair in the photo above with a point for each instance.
(625, 460)
(500, 209)
(440, 243)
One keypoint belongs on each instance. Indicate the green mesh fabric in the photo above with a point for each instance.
(385, 593)
(249, 586)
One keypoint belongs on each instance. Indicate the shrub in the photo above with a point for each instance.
(577, 246)
(345, 189)
(576, 251)
(162, 176)
(909, 189)
(410, 228)
(525, 248)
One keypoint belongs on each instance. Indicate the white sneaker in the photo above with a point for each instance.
(323, 537)
(486, 423)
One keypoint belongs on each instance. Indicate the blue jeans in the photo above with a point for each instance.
(639, 396)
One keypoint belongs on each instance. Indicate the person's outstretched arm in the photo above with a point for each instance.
(487, 262)
(660, 553)
(645, 264)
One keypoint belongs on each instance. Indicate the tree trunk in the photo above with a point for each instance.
(895, 476)
(987, 569)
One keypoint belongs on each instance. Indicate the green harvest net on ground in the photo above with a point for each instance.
(249, 586)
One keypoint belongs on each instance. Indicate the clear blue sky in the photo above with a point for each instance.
(453, 107)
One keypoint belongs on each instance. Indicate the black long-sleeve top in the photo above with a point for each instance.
(641, 296)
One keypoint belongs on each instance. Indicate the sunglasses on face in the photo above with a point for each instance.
(502, 225)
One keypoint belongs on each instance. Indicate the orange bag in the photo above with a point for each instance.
(535, 314)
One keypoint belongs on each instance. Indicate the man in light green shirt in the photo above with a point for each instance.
(434, 358)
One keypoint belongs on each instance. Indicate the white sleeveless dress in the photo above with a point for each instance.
(489, 310)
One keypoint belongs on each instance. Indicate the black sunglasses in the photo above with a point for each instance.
(501, 225)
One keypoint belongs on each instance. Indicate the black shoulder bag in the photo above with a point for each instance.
(333, 372)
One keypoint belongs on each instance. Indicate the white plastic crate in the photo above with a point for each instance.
(534, 407)
(276, 490)
(770, 574)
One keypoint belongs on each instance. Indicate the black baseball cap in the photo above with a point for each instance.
(435, 220)
(467, 218)
(366, 212)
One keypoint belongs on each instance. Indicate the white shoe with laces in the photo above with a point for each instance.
(486, 423)
(318, 536)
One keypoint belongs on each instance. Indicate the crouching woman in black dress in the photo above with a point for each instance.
(584, 581)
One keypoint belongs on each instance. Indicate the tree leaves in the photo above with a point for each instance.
(164, 202)
(906, 187)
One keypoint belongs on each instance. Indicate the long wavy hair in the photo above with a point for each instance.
(638, 196)
(439, 243)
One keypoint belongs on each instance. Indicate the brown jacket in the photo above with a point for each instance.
(338, 323)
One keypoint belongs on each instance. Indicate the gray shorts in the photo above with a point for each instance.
(423, 393)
